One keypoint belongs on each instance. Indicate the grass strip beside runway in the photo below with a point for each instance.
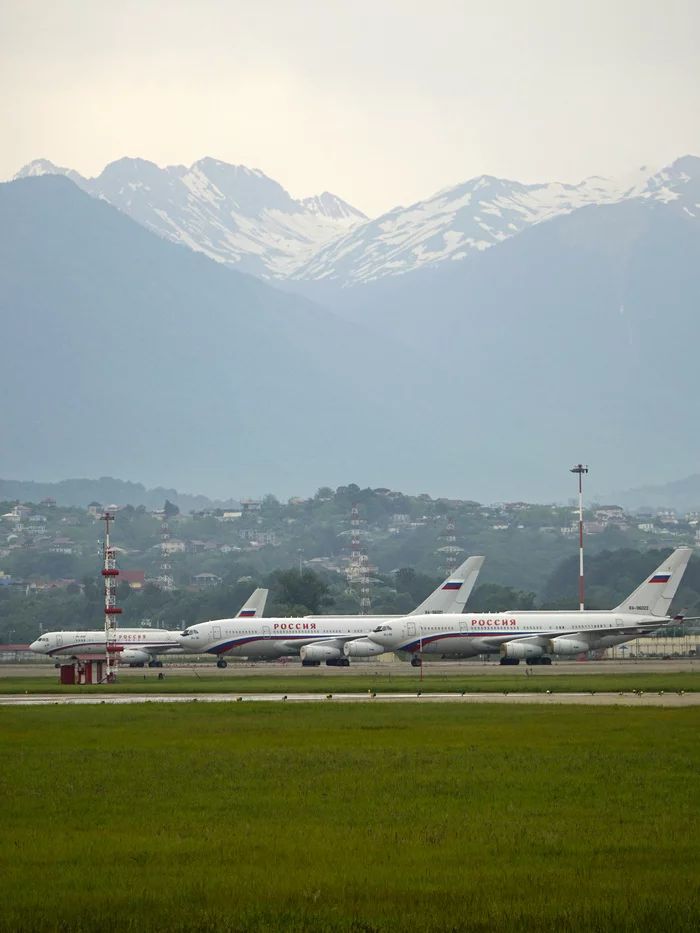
(340, 682)
(350, 819)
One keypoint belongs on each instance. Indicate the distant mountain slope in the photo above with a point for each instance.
(124, 353)
(577, 339)
(478, 214)
(573, 341)
(243, 218)
(105, 490)
(681, 494)
(231, 213)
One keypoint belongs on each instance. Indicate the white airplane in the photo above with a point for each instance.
(534, 636)
(317, 638)
(135, 646)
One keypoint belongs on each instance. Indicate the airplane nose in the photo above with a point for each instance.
(35, 646)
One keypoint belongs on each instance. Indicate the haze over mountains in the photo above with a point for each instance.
(240, 216)
(229, 212)
(478, 343)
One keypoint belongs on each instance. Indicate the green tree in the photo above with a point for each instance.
(170, 510)
(300, 590)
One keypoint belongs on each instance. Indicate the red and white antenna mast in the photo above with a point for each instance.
(450, 549)
(110, 574)
(166, 570)
(358, 569)
(580, 469)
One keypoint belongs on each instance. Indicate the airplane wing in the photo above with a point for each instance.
(333, 641)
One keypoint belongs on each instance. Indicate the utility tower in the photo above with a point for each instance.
(449, 549)
(110, 574)
(166, 570)
(358, 568)
(580, 469)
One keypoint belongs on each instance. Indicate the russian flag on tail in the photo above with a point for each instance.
(453, 585)
(660, 578)
(246, 612)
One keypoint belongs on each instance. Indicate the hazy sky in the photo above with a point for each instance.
(380, 101)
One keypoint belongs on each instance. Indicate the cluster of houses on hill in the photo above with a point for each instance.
(28, 527)
(50, 530)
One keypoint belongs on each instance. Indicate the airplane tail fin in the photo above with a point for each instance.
(255, 606)
(453, 593)
(655, 595)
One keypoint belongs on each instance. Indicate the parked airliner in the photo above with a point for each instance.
(535, 636)
(317, 638)
(135, 647)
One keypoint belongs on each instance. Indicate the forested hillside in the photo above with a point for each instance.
(50, 557)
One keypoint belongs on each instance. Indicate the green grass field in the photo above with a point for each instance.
(341, 682)
(262, 817)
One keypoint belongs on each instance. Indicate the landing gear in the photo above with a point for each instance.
(153, 664)
(337, 662)
(137, 664)
(221, 663)
(508, 662)
(310, 663)
(415, 662)
(538, 661)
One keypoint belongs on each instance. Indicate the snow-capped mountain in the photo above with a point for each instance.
(235, 215)
(480, 213)
(241, 217)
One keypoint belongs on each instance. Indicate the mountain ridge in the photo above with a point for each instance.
(233, 214)
(242, 218)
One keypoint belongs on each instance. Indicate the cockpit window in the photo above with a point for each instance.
(382, 628)
(190, 631)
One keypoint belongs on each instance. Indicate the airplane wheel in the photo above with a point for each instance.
(344, 662)
(57, 664)
(545, 660)
(159, 663)
(151, 663)
(221, 663)
(415, 662)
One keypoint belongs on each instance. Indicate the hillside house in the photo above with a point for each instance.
(667, 516)
(611, 515)
(135, 578)
(204, 580)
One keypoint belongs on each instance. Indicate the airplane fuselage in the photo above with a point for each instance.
(469, 635)
(273, 638)
(77, 643)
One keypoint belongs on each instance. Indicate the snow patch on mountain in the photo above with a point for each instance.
(241, 217)
(231, 213)
(480, 213)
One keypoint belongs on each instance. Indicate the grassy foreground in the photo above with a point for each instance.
(341, 682)
(356, 819)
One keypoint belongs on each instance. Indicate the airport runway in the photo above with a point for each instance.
(433, 670)
(554, 699)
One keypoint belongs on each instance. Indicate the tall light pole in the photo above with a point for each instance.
(580, 469)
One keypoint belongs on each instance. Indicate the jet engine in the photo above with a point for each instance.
(319, 653)
(362, 648)
(134, 656)
(521, 649)
(567, 646)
